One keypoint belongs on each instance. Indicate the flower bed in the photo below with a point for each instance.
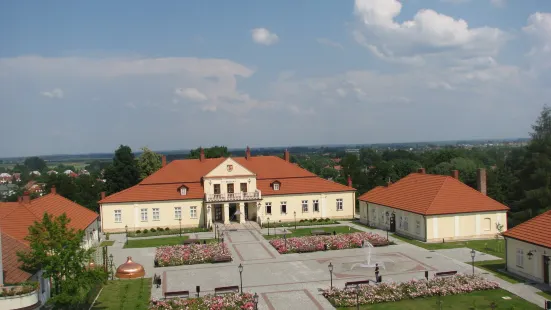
(190, 254)
(209, 302)
(335, 242)
(159, 231)
(309, 222)
(385, 292)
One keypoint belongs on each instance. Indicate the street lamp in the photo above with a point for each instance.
(126, 228)
(255, 299)
(331, 273)
(295, 212)
(180, 221)
(240, 267)
(111, 266)
(473, 253)
(357, 297)
(268, 226)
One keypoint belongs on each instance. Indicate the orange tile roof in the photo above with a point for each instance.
(164, 184)
(10, 261)
(536, 230)
(430, 194)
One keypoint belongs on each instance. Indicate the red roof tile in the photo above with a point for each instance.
(432, 194)
(156, 192)
(300, 185)
(536, 230)
(10, 261)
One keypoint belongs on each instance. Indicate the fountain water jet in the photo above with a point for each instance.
(368, 246)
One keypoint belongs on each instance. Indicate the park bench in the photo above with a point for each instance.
(192, 241)
(226, 290)
(445, 274)
(157, 280)
(222, 259)
(354, 283)
(184, 294)
(320, 232)
(307, 249)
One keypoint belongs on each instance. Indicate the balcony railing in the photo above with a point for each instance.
(233, 196)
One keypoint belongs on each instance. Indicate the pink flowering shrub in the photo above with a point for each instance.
(209, 302)
(189, 254)
(385, 292)
(334, 242)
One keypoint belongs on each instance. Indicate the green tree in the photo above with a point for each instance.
(123, 171)
(148, 163)
(35, 163)
(211, 152)
(403, 167)
(55, 248)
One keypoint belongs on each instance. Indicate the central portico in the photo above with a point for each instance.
(230, 194)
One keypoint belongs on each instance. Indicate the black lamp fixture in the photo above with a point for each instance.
(530, 254)
(111, 265)
(331, 273)
(240, 268)
(255, 299)
(473, 254)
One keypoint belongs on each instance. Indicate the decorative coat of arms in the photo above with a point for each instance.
(230, 168)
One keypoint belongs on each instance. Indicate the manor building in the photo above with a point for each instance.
(200, 192)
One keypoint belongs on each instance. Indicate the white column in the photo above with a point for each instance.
(434, 227)
(226, 213)
(241, 212)
(323, 206)
(209, 215)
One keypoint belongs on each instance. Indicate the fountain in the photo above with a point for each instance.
(368, 246)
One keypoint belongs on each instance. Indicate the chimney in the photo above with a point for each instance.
(287, 156)
(26, 197)
(202, 155)
(248, 153)
(349, 181)
(53, 190)
(421, 170)
(455, 174)
(481, 180)
(163, 160)
(102, 195)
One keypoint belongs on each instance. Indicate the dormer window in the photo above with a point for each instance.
(183, 190)
(276, 185)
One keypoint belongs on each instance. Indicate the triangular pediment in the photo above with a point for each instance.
(229, 168)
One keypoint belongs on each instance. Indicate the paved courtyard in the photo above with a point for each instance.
(295, 281)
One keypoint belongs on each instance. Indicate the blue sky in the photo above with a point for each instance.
(81, 77)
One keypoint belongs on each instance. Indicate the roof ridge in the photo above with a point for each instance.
(126, 189)
(437, 194)
(24, 205)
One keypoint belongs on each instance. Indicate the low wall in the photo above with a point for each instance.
(25, 301)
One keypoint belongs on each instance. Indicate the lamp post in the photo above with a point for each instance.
(240, 267)
(255, 299)
(180, 221)
(268, 226)
(111, 266)
(331, 273)
(126, 228)
(295, 212)
(473, 253)
(357, 297)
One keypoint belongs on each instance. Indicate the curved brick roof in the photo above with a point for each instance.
(430, 194)
(536, 230)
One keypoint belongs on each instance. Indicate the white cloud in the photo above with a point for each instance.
(264, 36)
(538, 29)
(330, 43)
(54, 93)
(191, 93)
(429, 33)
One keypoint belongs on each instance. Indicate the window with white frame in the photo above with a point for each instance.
(316, 205)
(193, 212)
(284, 207)
(339, 204)
(520, 258)
(144, 214)
(304, 206)
(177, 213)
(183, 191)
(268, 208)
(156, 214)
(276, 186)
(418, 227)
(118, 216)
(487, 224)
(406, 224)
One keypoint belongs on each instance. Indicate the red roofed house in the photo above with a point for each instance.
(433, 208)
(15, 219)
(202, 191)
(528, 248)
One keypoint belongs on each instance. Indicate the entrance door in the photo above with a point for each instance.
(233, 208)
(218, 213)
(546, 269)
(247, 211)
(393, 222)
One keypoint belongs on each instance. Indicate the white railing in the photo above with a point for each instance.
(233, 196)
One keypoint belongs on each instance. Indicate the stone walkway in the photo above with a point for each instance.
(295, 281)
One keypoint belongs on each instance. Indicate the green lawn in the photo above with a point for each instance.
(477, 300)
(492, 246)
(546, 295)
(155, 242)
(494, 266)
(308, 231)
(125, 294)
(107, 243)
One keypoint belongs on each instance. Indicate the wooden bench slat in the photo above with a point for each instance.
(176, 294)
(445, 273)
(226, 289)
